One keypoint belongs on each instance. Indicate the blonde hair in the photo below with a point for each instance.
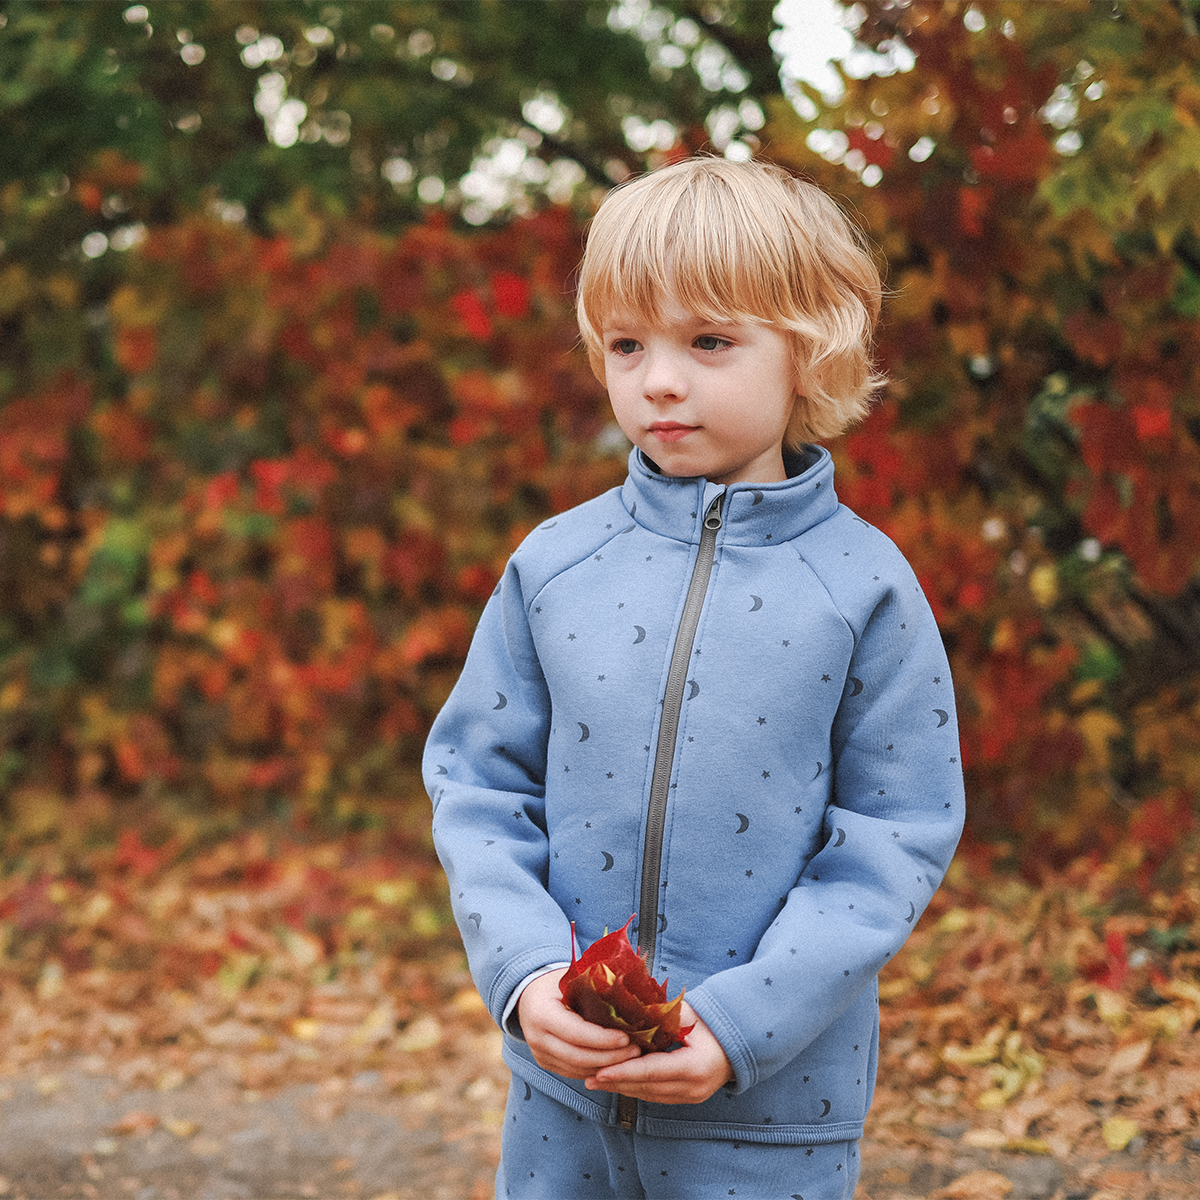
(742, 241)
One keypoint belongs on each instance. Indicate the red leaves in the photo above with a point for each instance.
(610, 986)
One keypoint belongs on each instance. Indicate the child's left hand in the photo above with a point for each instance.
(687, 1075)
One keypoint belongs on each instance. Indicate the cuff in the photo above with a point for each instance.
(508, 1020)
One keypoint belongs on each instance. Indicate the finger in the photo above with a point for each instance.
(570, 1027)
(575, 1062)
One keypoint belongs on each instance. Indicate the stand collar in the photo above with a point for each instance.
(754, 514)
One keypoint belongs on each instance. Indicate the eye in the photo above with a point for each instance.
(710, 341)
(626, 346)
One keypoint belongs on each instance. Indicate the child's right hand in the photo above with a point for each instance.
(562, 1041)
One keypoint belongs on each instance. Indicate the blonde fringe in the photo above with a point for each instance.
(748, 242)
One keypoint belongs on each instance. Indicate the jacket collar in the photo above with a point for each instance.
(754, 514)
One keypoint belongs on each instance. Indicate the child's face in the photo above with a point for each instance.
(701, 397)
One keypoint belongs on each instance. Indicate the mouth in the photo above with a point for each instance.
(671, 431)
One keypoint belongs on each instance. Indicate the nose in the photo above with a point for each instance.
(664, 378)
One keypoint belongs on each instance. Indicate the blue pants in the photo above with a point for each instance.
(551, 1153)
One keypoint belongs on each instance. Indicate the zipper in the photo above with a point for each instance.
(664, 756)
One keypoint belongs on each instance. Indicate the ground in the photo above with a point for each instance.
(195, 1013)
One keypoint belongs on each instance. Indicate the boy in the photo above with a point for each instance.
(715, 678)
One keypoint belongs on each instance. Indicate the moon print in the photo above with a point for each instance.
(441, 770)
(828, 1106)
(757, 602)
(860, 520)
(818, 770)
(857, 685)
(551, 525)
(528, 1090)
(695, 689)
(758, 496)
(841, 836)
(608, 861)
(943, 716)
(476, 917)
(501, 701)
(584, 731)
(641, 635)
(490, 842)
(662, 922)
(912, 912)
(745, 822)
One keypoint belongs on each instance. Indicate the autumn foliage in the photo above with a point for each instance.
(610, 986)
(257, 482)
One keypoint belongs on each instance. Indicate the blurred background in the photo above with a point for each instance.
(288, 367)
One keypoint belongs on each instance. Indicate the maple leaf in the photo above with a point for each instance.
(610, 986)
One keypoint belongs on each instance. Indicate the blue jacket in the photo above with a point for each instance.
(727, 709)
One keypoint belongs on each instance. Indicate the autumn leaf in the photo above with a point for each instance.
(610, 986)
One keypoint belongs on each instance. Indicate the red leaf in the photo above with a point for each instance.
(467, 305)
(610, 986)
(511, 294)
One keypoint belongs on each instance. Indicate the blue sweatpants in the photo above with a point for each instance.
(549, 1152)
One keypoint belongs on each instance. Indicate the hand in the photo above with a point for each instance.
(684, 1076)
(562, 1041)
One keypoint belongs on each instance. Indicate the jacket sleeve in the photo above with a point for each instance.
(484, 768)
(890, 828)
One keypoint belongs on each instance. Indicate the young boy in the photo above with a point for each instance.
(716, 678)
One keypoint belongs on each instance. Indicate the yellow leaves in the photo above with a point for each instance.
(955, 920)
(1043, 584)
(1010, 1067)
(1098, 727)
(1118, 1132)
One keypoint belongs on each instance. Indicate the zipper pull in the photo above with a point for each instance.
(712, 519)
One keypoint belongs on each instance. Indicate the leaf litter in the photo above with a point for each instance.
(1022, 1021)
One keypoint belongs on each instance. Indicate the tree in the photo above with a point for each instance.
(1034, 193)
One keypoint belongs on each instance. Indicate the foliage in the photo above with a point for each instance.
(1038, 461)
(270, 425)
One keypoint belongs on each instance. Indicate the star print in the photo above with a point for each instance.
(577, 900)
(895, 834)
(570, 637)
(770, 1033)
(749, 873)
(768, 537)
(517, 815)
(762, 720)
(645, 747)
(545, 1138)
(806, 1080)
(600, 677)
(587, 824)
(952, 760)
(691, 739)
(566, 768)
(649, 557)
(609, 525)
(597, 557)
(766, 774)
(937, 679)
(556, 854)
(945, 805)
(889, 747)
(731, 953)
(799, 809)
(845, 553)
(902, 625)
(882, 792)
(856, 1047)
(809, 1151)
(847, 972)
(792, 950)
(538, 608)
(767, 981)
(824, 678)
(608, 775)
(875, 577)
(622, 604)
(451, 750)
(786, 642)
(851, 907)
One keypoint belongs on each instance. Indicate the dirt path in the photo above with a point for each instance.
(72, 1130)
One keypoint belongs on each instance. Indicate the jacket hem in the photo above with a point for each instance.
(558, 1089)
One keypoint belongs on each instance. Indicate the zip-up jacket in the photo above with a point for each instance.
(728, 709)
